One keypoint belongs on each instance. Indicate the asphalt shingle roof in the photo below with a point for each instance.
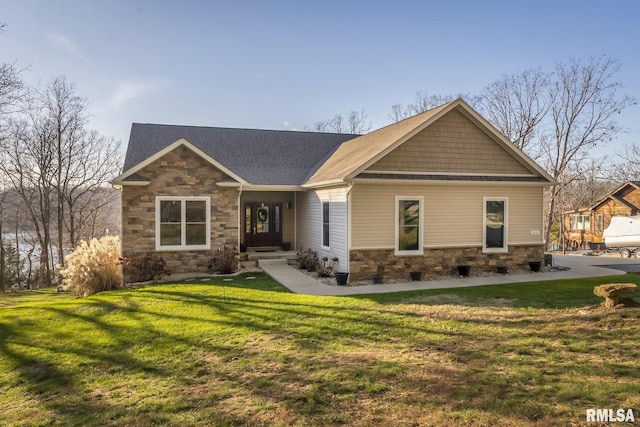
(261, 157)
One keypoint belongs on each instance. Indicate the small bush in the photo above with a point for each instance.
(325, 266)
(306, 258)
(93, 266)
(143, 268)
(225, 261)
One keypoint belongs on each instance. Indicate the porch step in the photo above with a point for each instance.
(271, 261)
(275, 261)
(263, 249)
(289, 255)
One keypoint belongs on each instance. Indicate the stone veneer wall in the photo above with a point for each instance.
(180, 173)
(437, 262)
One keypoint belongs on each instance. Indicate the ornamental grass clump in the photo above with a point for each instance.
(93, 267)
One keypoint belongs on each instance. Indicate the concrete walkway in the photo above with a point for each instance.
(578, 266)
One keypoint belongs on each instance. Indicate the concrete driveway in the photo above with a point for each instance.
(570, 266)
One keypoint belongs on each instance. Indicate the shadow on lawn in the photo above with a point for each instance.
(313, 356)
(502, 366)
(44, 380)
(255, 280)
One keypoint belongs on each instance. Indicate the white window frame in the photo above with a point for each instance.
(322, 203)
(505, 237)
(580, 222)
(184, 247)
(396, 209)
(599, 222)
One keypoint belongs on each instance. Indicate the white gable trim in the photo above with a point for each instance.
(169, 148)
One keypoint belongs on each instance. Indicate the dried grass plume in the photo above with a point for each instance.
(93, 266)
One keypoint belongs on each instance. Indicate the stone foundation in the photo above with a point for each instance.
(437, 262)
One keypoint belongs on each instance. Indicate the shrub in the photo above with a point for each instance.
(325, 266)
(142, 268)
(93, 266)
(307, 257)
(224, 261)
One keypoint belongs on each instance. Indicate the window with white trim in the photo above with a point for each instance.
(183, 223)
(408, 227)
(580, 222)
(326, 220)
(494, 222)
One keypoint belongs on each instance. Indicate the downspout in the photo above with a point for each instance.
(239, 227)
(121, 190)
(349, 225)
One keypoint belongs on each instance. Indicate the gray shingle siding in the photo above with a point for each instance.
(261, 157)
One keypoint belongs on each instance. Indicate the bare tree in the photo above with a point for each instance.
(11, 93)
(27, 162)
(97, 159)
(584, 99)
(11, 88)
(58, 168)
(422, 102)
(3, 197)
(587, 185)
(63, 112)
(355, 123)
(627, 168)
(516, 105)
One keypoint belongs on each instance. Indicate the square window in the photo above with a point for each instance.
(182, 223)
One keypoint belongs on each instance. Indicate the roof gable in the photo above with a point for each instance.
(619, 195)
(438, 148)
(129, 173)
(357, 155)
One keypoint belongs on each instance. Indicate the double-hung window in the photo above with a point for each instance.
(183, 223)
(408, 228)
(495, 220)
(325, 224)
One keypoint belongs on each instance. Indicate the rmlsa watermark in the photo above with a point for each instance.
(611, 415)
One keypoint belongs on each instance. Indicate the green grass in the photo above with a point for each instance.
(248, 352)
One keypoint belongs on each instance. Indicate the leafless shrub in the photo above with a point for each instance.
(145, 267)
(224, 261)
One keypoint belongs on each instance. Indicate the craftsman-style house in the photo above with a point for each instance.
(437, 190)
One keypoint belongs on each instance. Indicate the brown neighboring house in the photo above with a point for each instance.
(583, 228)
(437, 190)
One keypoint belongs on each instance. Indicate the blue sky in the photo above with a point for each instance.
(287, 64)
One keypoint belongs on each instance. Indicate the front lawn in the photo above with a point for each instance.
(248, 352)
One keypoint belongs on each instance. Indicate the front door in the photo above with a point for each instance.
(262, 224)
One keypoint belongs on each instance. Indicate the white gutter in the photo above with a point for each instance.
(229, 184)
(273, 188)
(130, 183)
(349, 225)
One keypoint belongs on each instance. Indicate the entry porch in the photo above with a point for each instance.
(267, 221)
